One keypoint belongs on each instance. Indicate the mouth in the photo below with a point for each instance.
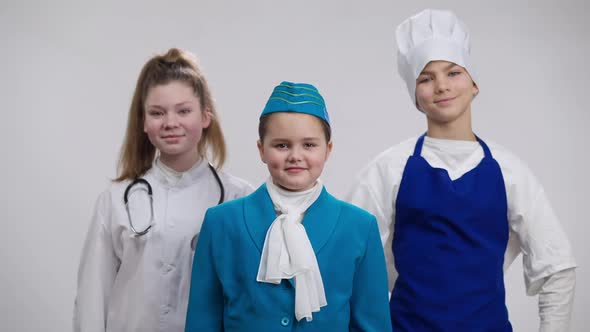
(172, 136)
(444, 101)
(295, 169)
(172, 139)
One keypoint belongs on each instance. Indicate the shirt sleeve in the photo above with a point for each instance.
(545, 246)
(538, 233)
(236, 187)
(96, 274)
(556, 299)
(535, 231)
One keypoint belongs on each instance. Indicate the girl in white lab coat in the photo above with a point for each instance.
(453, 211)
(135, 267)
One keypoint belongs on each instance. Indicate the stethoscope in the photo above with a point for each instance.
(149, 192)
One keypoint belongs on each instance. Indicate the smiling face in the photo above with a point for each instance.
(174, 123)
(295, 150)
(444, 92)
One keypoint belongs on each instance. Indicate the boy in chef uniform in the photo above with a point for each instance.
(455, 211)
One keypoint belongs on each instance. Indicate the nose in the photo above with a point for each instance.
(294, 154)
(171, 120)
(441, 85)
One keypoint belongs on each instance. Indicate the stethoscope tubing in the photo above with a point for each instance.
(150, 195)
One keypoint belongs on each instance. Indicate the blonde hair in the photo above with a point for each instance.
(137, 152)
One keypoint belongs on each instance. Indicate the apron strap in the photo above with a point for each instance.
(484, 146)
(418, 146)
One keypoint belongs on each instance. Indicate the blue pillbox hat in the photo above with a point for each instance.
(298, 98)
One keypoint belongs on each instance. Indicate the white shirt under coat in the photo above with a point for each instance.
(535, 231)
(128, 283)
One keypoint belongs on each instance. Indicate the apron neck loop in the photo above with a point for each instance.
(418, 146)
(420, 142)
(484, 146)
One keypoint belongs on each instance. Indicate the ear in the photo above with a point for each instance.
(329, 150)
(207, 117)
(475, 89)
(261, 150)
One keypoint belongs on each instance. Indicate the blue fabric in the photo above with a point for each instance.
(449, 243)
(297, 97)
(225, 295)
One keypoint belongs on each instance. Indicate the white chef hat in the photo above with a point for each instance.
(429, 36)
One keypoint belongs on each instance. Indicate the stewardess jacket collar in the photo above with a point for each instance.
(319, 221)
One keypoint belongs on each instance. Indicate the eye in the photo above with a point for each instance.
(454, 73)
(184, 111)
(424, 79)
(309, 145)
(155, 114)
(281, 146)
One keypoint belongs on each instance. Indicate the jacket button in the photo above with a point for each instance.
(168, 268)
(165, 310)
(285, 321)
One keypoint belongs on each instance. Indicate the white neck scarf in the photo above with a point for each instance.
(287, 252)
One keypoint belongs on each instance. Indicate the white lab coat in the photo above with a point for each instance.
(128, 283)
(535, 231)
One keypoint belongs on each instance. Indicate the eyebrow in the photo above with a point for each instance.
(447, 67)
(162, 108)
(280, 139)
(183, 102)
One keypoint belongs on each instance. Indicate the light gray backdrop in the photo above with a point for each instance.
(67, 72)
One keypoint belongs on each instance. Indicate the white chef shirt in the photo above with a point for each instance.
(535, 230)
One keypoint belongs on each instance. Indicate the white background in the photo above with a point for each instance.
(67, 73)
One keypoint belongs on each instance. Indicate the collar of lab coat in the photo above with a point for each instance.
(188, 178)
(319, 221)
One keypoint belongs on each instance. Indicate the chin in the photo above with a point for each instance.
(293, 186)
(444, 117)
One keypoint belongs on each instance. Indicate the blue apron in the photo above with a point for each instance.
(449, 243)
